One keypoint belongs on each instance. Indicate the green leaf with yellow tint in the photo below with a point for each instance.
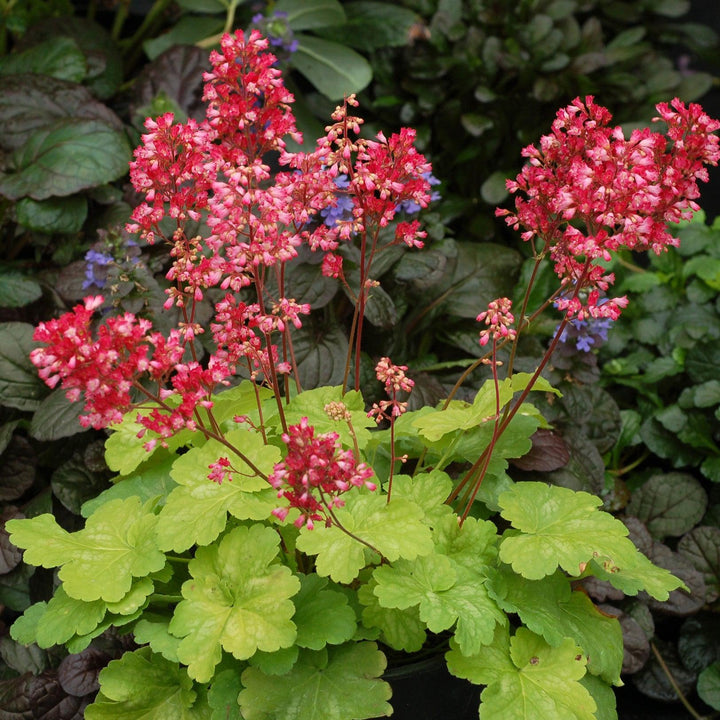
(395, 529)
(527, 679)
(237, 600)
(144, 685)
(334, 684)
(197, 510)
(99, 562)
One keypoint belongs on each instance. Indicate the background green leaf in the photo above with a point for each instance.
(669, 504)
(55, 215)
(335, 70)
(73, 155)
(349, 674)
(58, 57)
(708, 686)
(20, 386)
(308, 14)
(17, 289)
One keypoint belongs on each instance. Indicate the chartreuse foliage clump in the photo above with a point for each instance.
(264, 549)
(233, 607)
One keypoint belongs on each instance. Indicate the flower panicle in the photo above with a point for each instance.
(395, 381)
(499, 321)
(314, 475)
(587, 191)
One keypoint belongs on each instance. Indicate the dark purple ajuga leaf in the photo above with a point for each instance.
(549, 452)
(10, 556)
(38, 697)
(17, 469)
(78, 674)
(178, 74)
(680, 602)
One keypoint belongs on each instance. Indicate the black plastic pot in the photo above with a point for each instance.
(425, 690)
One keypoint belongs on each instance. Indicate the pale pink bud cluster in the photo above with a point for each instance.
(315, 473)
(395, 380)
(499, 320)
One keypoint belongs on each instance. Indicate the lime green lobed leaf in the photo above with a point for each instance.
(144, 686)
(153, 630)
(278, 662)
(223, 695)
(477, 613)
(472, 545)
(401, 629)
(603, 695)
(428, 490)
(322, 615)
(65, 616)
(560, 527)
(637, 573)
(78, 643)
(151, 481)
(100, 561)
(551, 609)
(406, 584)
(484, 408)
(395, 529)
(527, 679)
(557, 526)
(76, 622)
(238, 599)
(241, 400)
(339, 683)
(196, 512)
(445, 594)
(24, 629)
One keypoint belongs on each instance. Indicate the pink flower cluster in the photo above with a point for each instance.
(395, 380)
(587, 190)
(315, 472)
(105, 366)
(216, 171)
(499, 320)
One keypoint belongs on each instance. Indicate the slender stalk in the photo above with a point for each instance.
(348, 359)
(153, 16)
(674, 684)
(121, 14)
(207, 433)
(484, 459)
(274, 382)
(493, 441)
(230, 17)
(522, 325)
(523, 310)
(392, 454)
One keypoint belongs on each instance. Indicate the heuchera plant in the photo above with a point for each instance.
(262, 545)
